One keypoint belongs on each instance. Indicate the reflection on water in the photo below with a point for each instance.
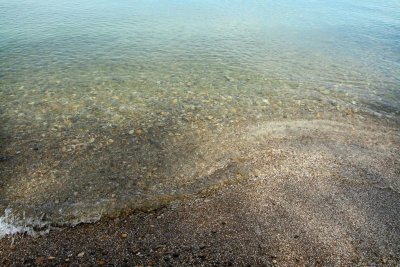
(117, 105)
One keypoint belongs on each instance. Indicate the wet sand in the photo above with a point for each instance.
(318, 193)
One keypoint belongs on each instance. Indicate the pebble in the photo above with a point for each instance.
(229, 79)
(138, 132)
(39, 260)
(4, 158)
(124, 235)
(266, 101)
(101, 262)
(80, 255)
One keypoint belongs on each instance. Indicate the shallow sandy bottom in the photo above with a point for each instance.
(317, 193)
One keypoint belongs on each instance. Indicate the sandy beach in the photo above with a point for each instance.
(319, 193)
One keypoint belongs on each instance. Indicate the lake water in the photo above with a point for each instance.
(112, 106)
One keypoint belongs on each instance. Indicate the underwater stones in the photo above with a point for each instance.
(349, 112)
(228, 78)
(4, 158)
(265, 101)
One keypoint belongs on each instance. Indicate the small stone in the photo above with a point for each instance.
(80, 255)
(131, 132)
(91, 140)
(265, 101)
(135, 250)
(101, 262)
(4, 158)
(39, 260)
(124, 235)
(229, 79)
(210, 117)
(51, 258)
(274, 262)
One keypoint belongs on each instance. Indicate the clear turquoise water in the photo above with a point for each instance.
(111, 101)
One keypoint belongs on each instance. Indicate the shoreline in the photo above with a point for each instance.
(321, 198)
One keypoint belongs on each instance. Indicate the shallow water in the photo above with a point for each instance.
(110, 106)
